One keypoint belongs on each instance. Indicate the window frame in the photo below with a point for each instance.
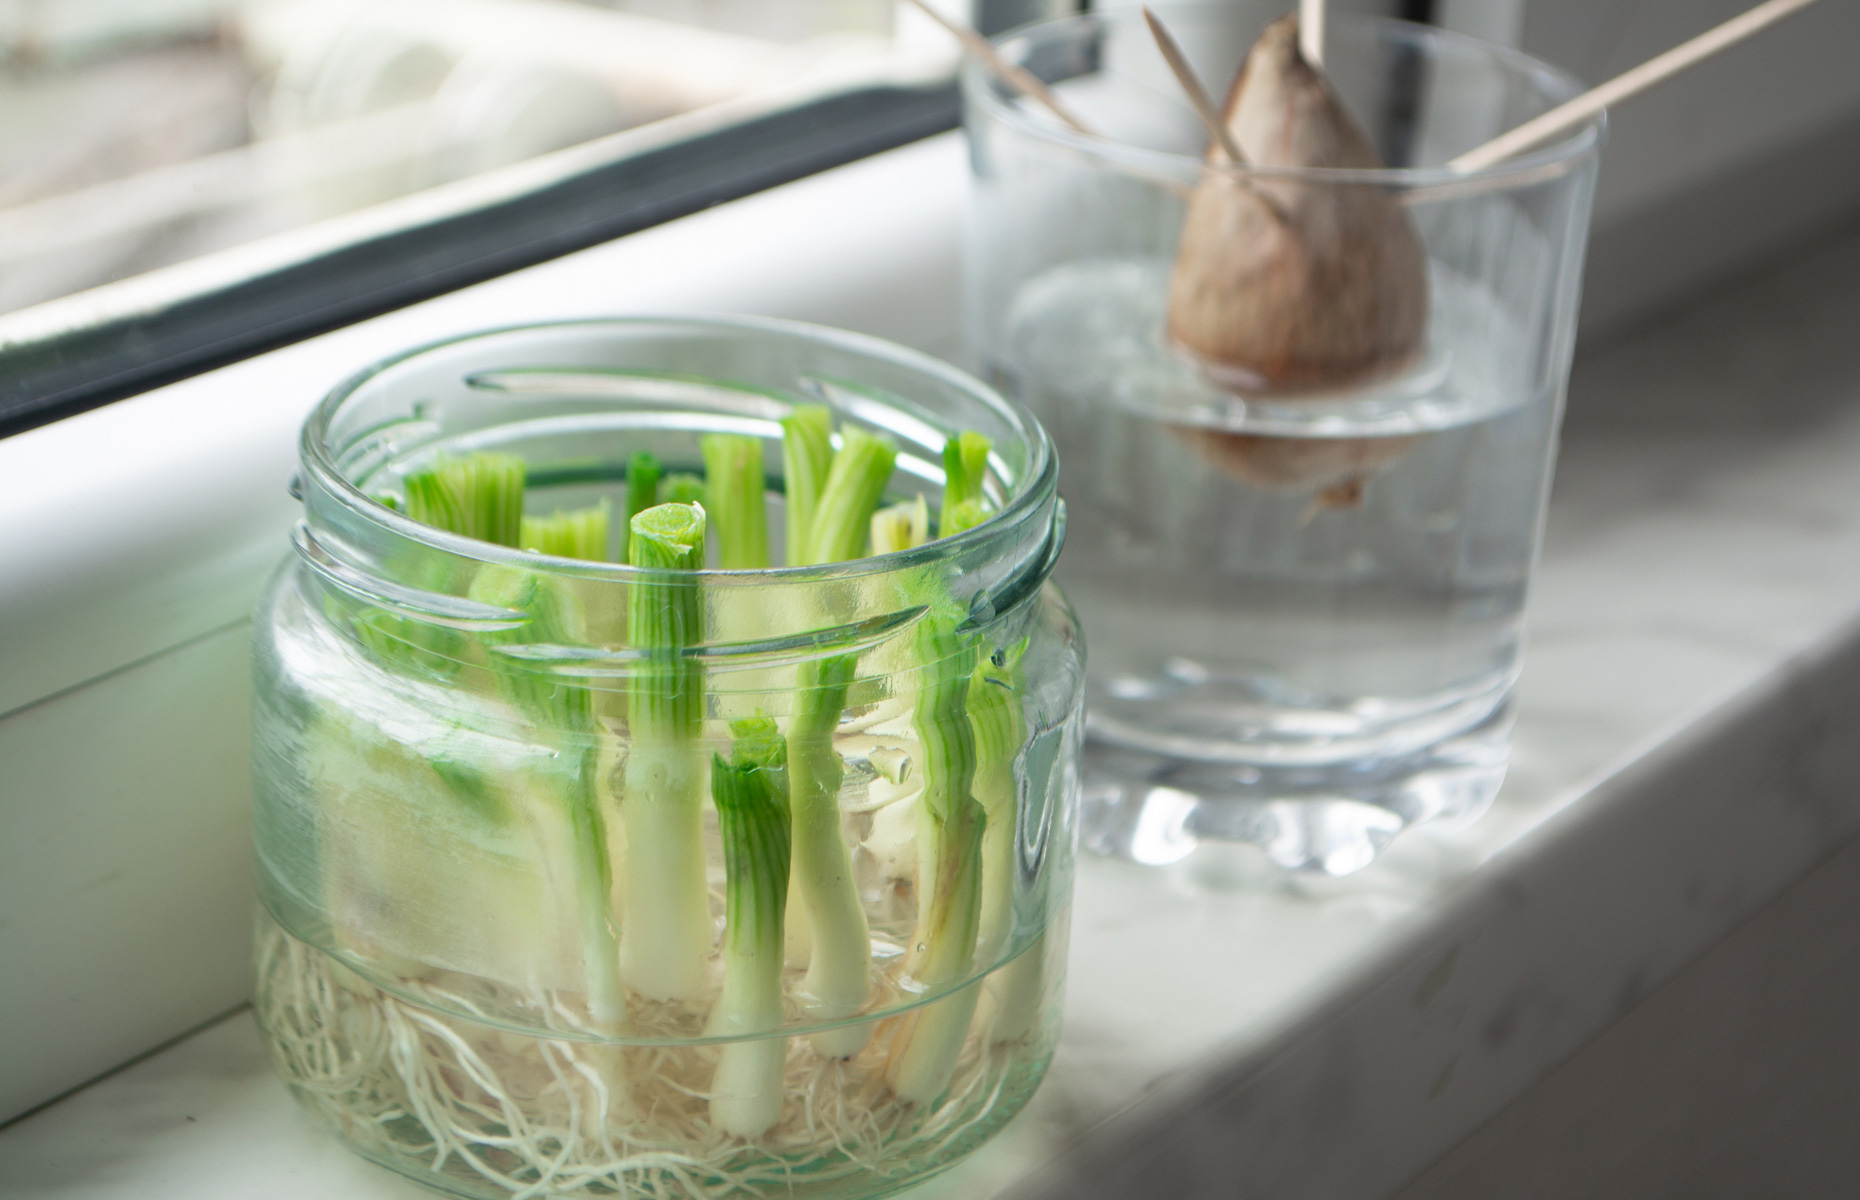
(80, 353)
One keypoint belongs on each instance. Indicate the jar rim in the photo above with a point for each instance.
(1549, 161)
(1035, 489)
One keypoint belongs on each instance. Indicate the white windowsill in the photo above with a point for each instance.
(1675, 766)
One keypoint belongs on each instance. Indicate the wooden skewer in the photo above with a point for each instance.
(1311, 31)
(1567, 116)
(1532, 133)
(1191, 84)
(1019, 78)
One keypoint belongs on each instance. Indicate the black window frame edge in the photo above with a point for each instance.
(77, 370)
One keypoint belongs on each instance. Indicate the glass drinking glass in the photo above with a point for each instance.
(491, 950)
(1306, 605)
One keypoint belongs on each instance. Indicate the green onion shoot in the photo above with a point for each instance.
(832, 498)
(563, 712)
(950, 828)
(684, 487)
(1000, 728)
(965, 469)
(806, 457)
(479, 496)
(855, 484)
(750, 795)
(642, 486)
(839, 942)
(666, 938)
(736, 500)
(901, 527)
(578, 533)
(485, 493)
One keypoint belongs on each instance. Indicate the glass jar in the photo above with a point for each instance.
(1307, 416)
(491, 949)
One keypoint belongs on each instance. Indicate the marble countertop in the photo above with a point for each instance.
(1231, 1028)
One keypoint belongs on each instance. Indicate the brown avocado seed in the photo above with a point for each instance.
(1285, 286)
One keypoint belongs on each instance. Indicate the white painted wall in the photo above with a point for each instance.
(1705, 175)
(1788, 83)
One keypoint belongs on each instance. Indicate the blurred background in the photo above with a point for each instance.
(137, 134)
(141, 133)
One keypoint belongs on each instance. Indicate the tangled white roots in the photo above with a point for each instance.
(489, 1112)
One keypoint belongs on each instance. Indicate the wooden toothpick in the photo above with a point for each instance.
(1311, 31)
(1567, 116)
(1015, 76)
(1191, 84)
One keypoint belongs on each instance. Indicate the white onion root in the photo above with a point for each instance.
(412, 1087)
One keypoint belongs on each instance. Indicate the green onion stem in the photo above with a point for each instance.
(479, 496)
(683, 487)
(563, 712)
(957, 518)
(1019, 987)
(1000, 728)
(840, 957)
(950, 829)
(397, 638)
(666, 936)
(453, 496)
(831, 498)
(580, 533)
(901, 527)
(965, 468)
(806, 457)
(1020, 990)
(642, 487)
(857, 480)
(737, 500)
(752, 823)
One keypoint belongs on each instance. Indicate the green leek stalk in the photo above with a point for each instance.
(951, 825)
(737, 500)
(479, 496)
(806, 457)
(752, 823)
(563, 713)
(581, 533)
(965, 467)
(901, 527)
(666, 938)
(855, 484)
(642, 486)
(840, 949)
